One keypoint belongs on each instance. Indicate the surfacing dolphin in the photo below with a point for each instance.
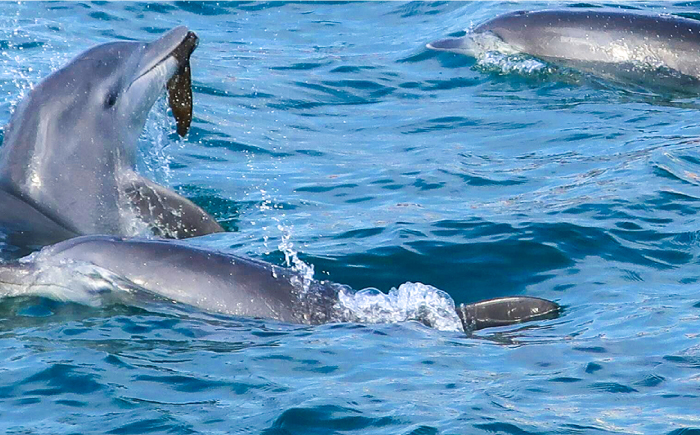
(235, 285)
(69, 152)
(657, 50)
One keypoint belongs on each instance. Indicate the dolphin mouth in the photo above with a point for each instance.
(170, 56)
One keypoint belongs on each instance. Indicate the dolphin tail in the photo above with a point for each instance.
(506, 311)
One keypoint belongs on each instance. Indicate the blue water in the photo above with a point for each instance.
(329, 131)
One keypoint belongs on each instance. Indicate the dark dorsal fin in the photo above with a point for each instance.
(506, 311)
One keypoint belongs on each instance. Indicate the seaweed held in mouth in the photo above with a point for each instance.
(180, 85)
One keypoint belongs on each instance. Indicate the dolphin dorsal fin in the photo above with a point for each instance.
(506, 311)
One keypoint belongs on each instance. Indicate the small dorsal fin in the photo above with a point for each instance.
(506, 311)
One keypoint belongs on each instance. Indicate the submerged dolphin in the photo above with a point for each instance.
(69, 152)
(611, 43)
(235, 285)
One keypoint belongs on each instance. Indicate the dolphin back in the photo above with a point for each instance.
(230, 284)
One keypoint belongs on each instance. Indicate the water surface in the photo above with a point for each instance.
(330, 131)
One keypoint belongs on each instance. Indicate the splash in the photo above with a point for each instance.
(17, 75)
(78, 282)
(411, 301)
(155, 160)
(511, 63)
(305, 271)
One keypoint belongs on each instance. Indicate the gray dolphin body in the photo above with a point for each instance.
(230, 284)
(69, 152)
(610, 43)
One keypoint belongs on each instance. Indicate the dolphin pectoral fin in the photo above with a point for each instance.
(506, 311)
(26, 227)
(169, 214)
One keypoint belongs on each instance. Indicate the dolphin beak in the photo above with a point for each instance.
(448, 44)
(178, 45)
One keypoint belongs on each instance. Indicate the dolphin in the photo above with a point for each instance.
(643, 48)
(69, 152)
(230, 284)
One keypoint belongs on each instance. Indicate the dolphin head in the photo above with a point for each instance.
(102, 98)
(79, 127)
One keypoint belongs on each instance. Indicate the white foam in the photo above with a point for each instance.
(305, 271)
(509, 64)
(411, 301)
(78, 282)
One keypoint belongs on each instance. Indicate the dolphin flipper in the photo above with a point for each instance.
(167, 213)
(505, 311)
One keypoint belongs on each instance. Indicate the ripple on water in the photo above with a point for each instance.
(383, 162)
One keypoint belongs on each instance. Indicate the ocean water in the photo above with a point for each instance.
(329, 132)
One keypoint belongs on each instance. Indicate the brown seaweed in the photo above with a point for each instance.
(180, 85)
(180, 98)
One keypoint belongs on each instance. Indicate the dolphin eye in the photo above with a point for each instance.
(111, 99)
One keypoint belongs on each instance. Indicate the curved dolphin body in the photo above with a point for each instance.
(229, 284)
(628, 46)
(69, 152)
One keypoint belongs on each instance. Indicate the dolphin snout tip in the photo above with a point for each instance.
(180, 35)
(445, 44)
